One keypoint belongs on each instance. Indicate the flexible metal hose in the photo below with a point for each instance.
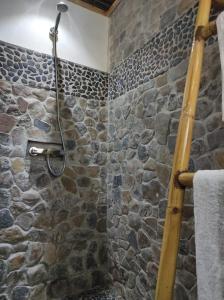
(61, 171)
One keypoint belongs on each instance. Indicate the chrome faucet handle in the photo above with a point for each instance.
(34, 151)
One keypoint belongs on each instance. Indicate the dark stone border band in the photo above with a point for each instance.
(28, 67)
(165, 50)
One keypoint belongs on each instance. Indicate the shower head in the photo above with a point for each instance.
(62, 7)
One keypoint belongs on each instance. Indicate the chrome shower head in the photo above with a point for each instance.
(62, 7)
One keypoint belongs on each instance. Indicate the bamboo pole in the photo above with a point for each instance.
(171, 235)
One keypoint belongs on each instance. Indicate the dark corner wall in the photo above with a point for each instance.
(149, 47)
(52, 230)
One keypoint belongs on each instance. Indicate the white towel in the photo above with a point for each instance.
(220, 32)
(209, 233)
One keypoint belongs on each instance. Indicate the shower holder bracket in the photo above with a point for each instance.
(53, 33)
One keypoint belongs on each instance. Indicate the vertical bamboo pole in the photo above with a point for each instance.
(171, 235)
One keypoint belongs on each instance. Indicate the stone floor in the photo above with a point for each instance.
(103, 295)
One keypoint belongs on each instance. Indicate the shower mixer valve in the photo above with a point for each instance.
(34, 151)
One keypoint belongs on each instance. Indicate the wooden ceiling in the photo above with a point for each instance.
(103, 7)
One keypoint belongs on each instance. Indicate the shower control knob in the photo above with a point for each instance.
(35, 151)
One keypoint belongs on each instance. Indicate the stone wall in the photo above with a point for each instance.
(53, 239)
(135, 22)
(52, 230)
(145, 98)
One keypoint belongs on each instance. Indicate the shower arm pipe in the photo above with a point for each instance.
(54, 34)
(56, 84)
(172, 227)
(57, 91)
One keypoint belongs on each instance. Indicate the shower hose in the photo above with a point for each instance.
(51, 169)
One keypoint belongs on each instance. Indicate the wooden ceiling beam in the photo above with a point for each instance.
(89, 6)
(95, 9)
(112, 8)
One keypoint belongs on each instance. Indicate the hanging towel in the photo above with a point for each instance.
(209, 233)
(220, 33)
